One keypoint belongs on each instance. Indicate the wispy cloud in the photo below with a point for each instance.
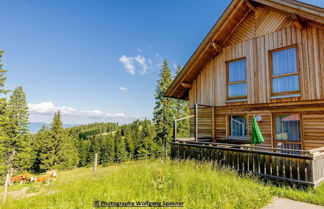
(140, 63)
(128, 64)
(122, 88)
(43, 112)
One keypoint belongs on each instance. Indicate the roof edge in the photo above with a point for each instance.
(201, 47)
(313, 11)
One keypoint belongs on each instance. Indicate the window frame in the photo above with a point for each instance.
(235, 82)
(273, 94)
(274, 140)
(229, 136)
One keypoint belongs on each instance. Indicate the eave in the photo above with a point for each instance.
(217, 36)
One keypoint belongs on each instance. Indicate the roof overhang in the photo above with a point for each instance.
(215, 40)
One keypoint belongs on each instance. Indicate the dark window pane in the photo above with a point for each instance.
(289, 83)
(238, 126)
(236, 71)
(287, 127)
(284, 61)
(236, 90)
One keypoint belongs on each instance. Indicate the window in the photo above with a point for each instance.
(238, 126)
(287, 131)
(236, 79)
(284, 72)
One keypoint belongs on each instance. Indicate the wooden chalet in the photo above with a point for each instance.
(263, 59)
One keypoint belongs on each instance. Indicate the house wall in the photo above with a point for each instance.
(209, 88)
(256, 35)
(312, 124)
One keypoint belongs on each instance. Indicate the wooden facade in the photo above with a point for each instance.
(253, 30)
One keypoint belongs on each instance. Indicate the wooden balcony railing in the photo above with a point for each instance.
(296, 166)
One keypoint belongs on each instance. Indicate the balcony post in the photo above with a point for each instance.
(196, 121)
(174, 130)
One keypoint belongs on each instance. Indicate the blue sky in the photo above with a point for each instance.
(98, 60)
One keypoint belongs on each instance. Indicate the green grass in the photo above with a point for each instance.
(198, 185)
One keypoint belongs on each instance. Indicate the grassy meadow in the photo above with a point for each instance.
(198, 185)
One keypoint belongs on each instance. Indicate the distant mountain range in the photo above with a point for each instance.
(34, 127)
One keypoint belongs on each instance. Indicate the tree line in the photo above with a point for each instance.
(55, 147)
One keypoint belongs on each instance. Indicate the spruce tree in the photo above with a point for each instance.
(19, 131)
(4, 121)
(163, 114)
(2, 78)
(47, 154)
(84, 150)
(95, 147)
(58, 150)
(130, 148)
(120, 148)
(145, 147)
(107, 150)
(36, 145)
(111, 149)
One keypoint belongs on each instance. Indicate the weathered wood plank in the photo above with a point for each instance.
(303, 169)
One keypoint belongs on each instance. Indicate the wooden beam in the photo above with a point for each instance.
(196, 121)
(250, 5)
(215, 46)
(186, 85)
(95, 162)
(311, 14)
(297, 22)
(213, 124)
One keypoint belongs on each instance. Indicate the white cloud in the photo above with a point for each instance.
(44, 111)
(122, 88)
(128, 64)
(139, 63)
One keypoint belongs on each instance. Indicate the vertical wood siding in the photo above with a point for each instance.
(267, 21)
(256, 35)
(220, 126)
(209, 88)
(244, 31)
(313, 128)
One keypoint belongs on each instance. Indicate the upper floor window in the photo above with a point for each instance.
(284, 72)
(236, 79)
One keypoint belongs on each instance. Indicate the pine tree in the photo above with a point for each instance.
(164, 108)
(120, 148)
(36, 145)
(130, 148)
(84, 150)
(145, 145)
(47, 151)
(111, 149)
(107, 150)
(95, 147)
(4, 139)
(58, 150)
(2, 78)
(67, 155)
(4, 121)
(19, 132)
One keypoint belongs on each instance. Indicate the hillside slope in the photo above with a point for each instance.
(196, 185)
